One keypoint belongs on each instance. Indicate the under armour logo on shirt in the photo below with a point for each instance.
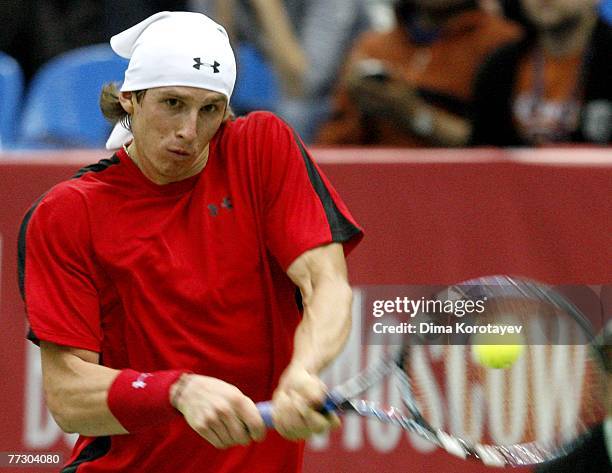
(198, 63)
(226, 204)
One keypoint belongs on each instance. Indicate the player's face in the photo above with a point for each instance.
(551, 13)
(172, 127)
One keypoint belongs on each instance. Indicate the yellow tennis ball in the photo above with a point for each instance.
(497, 356)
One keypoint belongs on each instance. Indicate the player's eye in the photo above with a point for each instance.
(172, 102)
(210, 108)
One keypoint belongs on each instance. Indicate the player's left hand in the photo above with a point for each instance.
(296, 403)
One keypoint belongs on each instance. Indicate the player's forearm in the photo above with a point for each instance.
(319, 337)
(326, 324)
(321, 276)
(77, 391)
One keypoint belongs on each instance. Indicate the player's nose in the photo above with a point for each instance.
(188, 128)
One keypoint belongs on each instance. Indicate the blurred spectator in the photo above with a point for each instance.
(509, 9)
(412, 86)
(17, 19)
(119, 15)
(513, 10)
(305, 41)
(606, 10)
(380, 13)
(554, 88)
(34, 31)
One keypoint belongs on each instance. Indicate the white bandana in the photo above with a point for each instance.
(174, 49)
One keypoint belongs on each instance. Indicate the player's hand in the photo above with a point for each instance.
(296, 402)
(218, 411)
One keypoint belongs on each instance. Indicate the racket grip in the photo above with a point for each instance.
(265, 410)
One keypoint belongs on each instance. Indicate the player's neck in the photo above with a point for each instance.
(150, 171)
(569, 37)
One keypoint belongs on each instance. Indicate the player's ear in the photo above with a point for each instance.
(125, 99)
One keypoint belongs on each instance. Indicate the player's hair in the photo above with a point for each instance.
(111, 107)
(114, 112)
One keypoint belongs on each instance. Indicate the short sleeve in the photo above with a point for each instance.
(302, 209)
(56, 272)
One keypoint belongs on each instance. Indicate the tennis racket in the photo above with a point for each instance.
(558, 350)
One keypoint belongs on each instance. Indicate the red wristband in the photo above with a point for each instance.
(142, 400)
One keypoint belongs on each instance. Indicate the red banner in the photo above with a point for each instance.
(431, 217)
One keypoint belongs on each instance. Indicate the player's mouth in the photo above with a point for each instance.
(179, 151)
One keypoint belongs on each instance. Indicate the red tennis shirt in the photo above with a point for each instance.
(188, 275)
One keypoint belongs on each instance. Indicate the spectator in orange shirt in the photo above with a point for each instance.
(411, 86)
(554, 88)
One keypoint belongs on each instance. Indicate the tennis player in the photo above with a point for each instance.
(197, 271)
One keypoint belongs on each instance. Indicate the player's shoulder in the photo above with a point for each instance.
(56, 211)
(71, 195)
(260, 119)
(64, 201)
(258, 126)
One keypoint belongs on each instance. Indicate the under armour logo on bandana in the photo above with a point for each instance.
(199, 63)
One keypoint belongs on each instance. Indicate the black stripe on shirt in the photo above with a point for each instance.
(21, 246)
(96, 449)
(21, 257)
(341, 228)
(100, 166)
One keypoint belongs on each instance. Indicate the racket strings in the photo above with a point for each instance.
(551, 394)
